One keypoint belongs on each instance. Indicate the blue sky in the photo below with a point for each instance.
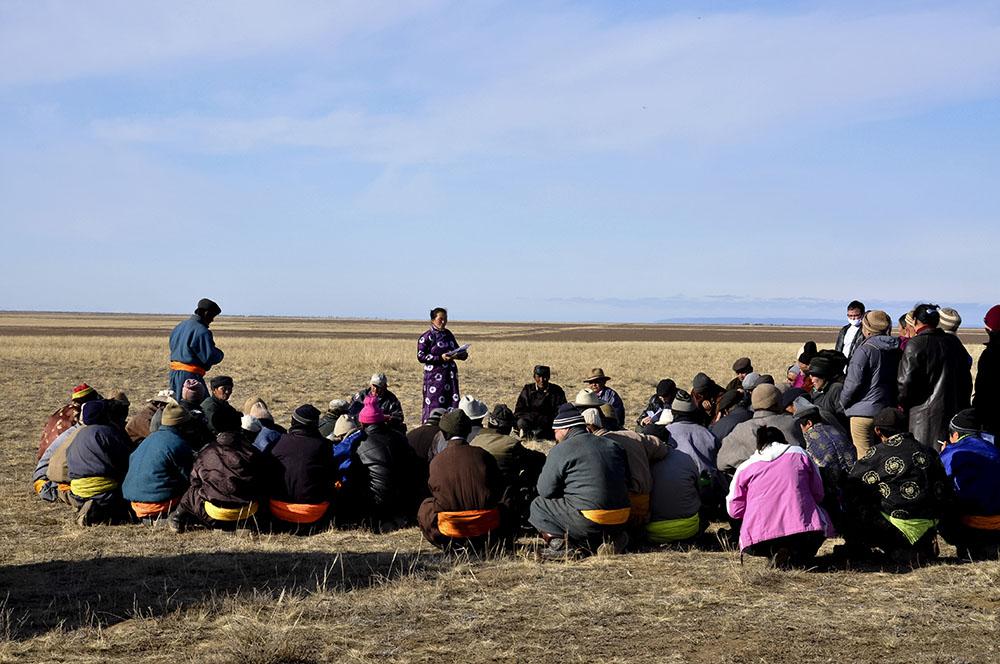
(516, 161)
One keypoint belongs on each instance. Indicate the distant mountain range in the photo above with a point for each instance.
(736, 320)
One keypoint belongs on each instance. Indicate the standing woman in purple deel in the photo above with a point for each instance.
(437, 350)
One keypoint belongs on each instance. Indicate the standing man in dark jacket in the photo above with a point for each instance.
(583, 489)
(301, 473)
(192, 346)
(870, 385)
(850, 337)
(987, 398)
(934, 380)
(466, 491)
(537, 405)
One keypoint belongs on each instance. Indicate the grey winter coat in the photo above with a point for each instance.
(742, 442)
(870, 385)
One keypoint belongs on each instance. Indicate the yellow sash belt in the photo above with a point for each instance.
(608, 517)
(230, 513)
(88, 487)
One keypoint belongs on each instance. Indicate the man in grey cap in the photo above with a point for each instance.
(582, 490)
(537, 404)
(387, 402)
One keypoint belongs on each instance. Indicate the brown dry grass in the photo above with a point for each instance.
(128, 593)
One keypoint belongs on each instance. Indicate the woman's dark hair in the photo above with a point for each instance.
(438, 310)
(927, 314)
(768, 435)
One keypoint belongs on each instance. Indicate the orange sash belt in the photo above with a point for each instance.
(143, 510)
(982, 522)
(39, 485)
(470, 523)
(63, 487)
(190, 368)
(640, 507)
(299, 512)
(608, 517)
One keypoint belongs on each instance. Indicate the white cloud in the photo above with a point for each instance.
(576, 85)
(51, 40)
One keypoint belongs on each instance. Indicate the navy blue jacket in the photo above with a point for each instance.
(99, 450)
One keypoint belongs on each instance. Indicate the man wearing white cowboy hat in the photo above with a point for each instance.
(597, 382)
(476, 410)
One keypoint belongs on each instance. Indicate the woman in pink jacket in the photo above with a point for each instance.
(777, 493)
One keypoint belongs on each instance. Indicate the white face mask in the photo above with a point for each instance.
(855, 323)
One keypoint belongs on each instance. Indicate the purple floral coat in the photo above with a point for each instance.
(440, 376)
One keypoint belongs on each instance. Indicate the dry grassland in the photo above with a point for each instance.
(129, 593)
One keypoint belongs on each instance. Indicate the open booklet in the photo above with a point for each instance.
(461, 349)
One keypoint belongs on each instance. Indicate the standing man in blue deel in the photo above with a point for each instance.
(192, 348)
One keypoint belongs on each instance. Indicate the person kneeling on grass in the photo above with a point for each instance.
(160, 468)
(777, 493)
(973, 465)
(466, 489)
(97, 462)
(301, 473)
(895, 495)
(675, 503)
(226, 484)
(583, 489)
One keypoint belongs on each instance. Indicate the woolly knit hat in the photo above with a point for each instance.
(344, 426)
(251, 402)
(193, 390)
(805, 409)
(371, 413)
(306, 414)
(587, 399)
(876, 322)
(174, 414)
(260, 411)
(339, 405)
(379, 380)
(82, 391)
(456, 424)
(682, 403)
(567, 416)
(909, 319)
(992, 317)
(766, 397)
(94, 412)
(965, 421)
(950, 320)
(250, 423)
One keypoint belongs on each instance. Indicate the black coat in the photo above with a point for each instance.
(829, 403)
(842, 335)
(384, 474)
(935, 382)
(987, 398)
(301, 467)
(537, 408)
(728, 422)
